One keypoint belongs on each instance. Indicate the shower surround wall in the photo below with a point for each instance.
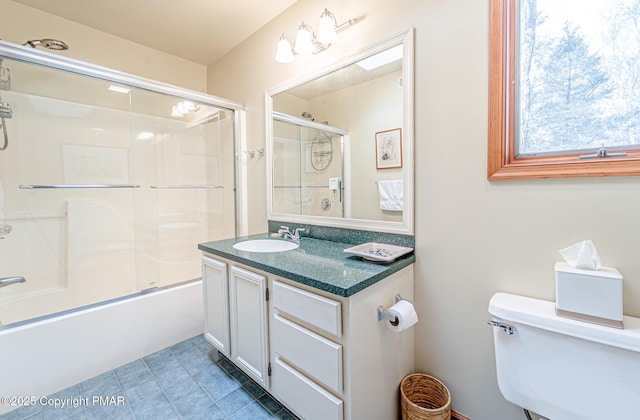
(170, 184)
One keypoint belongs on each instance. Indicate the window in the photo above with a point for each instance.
(564, 88)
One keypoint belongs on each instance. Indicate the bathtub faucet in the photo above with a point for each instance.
(7, 281)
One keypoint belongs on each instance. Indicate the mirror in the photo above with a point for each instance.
(340, 142)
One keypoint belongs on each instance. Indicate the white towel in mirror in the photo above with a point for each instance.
(390, 195)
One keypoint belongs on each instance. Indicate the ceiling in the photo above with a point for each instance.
(197, 30)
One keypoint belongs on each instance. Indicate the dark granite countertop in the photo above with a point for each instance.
(316, 263)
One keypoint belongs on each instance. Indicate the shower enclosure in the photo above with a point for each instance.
(308, 167)
(107, 183)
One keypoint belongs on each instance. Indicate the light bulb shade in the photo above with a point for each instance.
(175, 112)
(284, 54)
(327, 29)
(188, 106)
(304, 44)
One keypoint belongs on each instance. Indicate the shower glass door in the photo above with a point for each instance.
(308, 174)
(106, 189)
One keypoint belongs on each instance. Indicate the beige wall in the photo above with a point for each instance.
(473, 237)
(19, 23)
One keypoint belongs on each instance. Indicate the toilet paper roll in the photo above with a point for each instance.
(406, 314)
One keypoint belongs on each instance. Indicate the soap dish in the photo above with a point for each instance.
(378, 252)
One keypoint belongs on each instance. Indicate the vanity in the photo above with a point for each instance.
(303, 324)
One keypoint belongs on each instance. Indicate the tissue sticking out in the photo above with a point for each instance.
(582, 255)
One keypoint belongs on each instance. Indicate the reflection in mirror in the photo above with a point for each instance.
(341, 142)
(308, 158)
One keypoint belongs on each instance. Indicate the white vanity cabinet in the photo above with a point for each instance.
(235, 315)
(215, 283)
(248, 323)
(328, 356)
(308, 370)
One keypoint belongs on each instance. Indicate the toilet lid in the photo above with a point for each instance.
(542, 314)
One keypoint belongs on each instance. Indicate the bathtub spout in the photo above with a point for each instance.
(6, 281)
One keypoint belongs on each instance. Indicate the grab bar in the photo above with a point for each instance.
(6, 281)
(34, 187)
(160, 187)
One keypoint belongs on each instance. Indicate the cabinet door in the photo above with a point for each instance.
(248, 312)
(216, 303)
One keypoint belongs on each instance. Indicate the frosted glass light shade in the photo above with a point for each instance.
(304, 38)
(284, 54)
(327, 29)
(175, 112)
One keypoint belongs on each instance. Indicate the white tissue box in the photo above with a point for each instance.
(591, 296)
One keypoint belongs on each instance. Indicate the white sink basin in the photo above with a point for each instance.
(265, 245)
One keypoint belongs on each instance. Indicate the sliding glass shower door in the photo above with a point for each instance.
(105, 188)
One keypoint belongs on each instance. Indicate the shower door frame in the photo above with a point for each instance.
(42, 58)
(345, 156)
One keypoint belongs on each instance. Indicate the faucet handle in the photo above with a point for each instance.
(284, 232)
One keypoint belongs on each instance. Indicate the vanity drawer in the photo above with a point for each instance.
(313, 309)
(307, 399)
(315, 355)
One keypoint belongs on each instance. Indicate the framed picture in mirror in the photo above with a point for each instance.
(389, 149)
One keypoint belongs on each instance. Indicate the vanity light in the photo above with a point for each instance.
(306, 40)
(183, 108)
(284, 53)
(327, 28)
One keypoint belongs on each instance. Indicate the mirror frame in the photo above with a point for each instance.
(406, 38)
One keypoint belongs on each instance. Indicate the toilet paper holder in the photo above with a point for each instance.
(386, 315)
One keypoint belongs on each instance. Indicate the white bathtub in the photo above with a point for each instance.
(42, 357)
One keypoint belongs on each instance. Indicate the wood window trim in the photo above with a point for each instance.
(501, 162)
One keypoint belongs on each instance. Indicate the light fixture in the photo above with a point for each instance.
(306, 40)
(327, 28)
(183, 108)
(284, 53)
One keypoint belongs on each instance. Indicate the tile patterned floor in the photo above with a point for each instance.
(179, 382)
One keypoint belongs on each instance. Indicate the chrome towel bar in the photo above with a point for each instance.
(183, 187)
(46, 186)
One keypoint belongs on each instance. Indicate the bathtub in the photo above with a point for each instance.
(40, 357)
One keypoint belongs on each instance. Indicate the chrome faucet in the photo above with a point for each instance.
(6, 281)
(286, 233)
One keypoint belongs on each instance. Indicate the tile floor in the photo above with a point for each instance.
(179, 382)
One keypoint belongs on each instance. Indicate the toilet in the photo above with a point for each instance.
(561, 368)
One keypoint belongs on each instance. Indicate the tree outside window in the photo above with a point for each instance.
(565, 82)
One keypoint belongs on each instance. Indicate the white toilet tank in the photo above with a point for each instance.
(564, 369)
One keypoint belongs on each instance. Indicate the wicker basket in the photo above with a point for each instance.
(423, 397)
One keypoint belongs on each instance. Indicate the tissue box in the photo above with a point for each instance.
(591, 296)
